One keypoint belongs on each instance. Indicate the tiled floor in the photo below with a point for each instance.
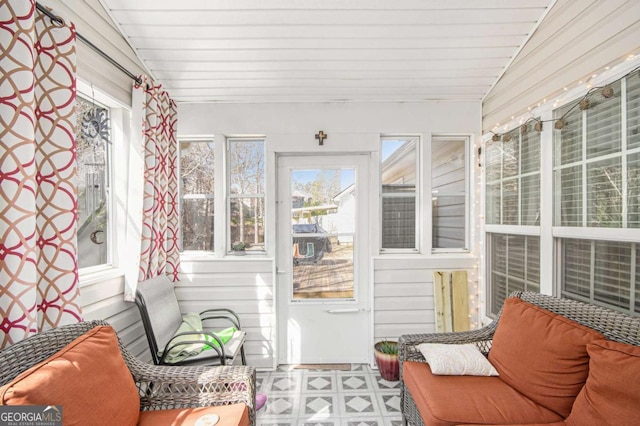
(298, 397)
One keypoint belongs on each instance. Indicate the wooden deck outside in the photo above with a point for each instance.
(330, 278)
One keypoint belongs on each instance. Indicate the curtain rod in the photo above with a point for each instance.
(58, 20)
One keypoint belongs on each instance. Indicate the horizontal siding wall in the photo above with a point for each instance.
(403, 293)
(104, 300)
(243, 285)
(574, 41)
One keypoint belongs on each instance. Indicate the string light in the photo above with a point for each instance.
(584, 103)
(607, 91)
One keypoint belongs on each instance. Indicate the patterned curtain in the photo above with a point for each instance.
(159, 252)
(38, 199)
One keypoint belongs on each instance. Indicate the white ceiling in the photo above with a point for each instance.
(326, 50)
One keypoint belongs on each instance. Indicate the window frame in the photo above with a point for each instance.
(118, 115)
(229, 196)
(591, 235)
(467, 185)
(181, 196)
(511, 229)
(417, 194)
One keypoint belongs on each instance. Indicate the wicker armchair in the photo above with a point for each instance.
(159, 387)
(612, 324)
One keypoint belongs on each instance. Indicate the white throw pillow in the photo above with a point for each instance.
(456, 360)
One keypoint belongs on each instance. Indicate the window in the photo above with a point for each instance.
(398, 167)
(246, 193)
(449, 193)
(597, 189)
(93, 160)
(514, 264)
(197, 180)
(513, 179)
(513, 205)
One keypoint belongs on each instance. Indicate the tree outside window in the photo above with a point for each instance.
(246, 193)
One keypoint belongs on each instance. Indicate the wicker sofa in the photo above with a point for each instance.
(604, 368)
(154, 394)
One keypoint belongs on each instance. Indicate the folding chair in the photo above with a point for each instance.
(161, 317)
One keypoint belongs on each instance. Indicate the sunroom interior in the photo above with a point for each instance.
(498, 138)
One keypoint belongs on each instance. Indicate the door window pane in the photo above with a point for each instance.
(323, 223)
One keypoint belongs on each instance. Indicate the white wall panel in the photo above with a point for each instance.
(246, 287)
(574, 41)
(403, 292)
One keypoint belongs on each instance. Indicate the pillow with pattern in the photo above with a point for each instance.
(456, 360)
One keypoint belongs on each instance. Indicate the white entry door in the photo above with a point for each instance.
(323, 286)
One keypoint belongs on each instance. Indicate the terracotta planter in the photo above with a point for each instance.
(388, 364)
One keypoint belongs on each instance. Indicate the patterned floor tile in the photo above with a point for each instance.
(359, 367)
(319, 382)
(389, 403)
(362, 421)
(312, 405)
(261, 381)
(351, 381)
(281, 382)
(292, 422)
(298, 397)
(381, 384)
(280, 407)
(323, 422)
(393, 421)
(359, 404)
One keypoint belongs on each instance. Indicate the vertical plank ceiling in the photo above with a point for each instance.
(326, 50)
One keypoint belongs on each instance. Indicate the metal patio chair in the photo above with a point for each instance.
(161, 317)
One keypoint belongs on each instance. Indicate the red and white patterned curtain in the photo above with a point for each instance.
(159, 253)
(38, 198)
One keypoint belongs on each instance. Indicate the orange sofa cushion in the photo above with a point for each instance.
(230, 415)
(611, 395)
(454, 400)
(541, 354)
(88, 378)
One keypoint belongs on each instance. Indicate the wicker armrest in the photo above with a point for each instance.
(165, 387)
(408, 343)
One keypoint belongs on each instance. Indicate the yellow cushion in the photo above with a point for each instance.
(88, 378)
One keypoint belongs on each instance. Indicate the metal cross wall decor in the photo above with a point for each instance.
(321, 136)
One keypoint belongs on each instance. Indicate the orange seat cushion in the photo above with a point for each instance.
(88, 378)
(611, 395)
(230, 415)
(455, 400)
(541, 354)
